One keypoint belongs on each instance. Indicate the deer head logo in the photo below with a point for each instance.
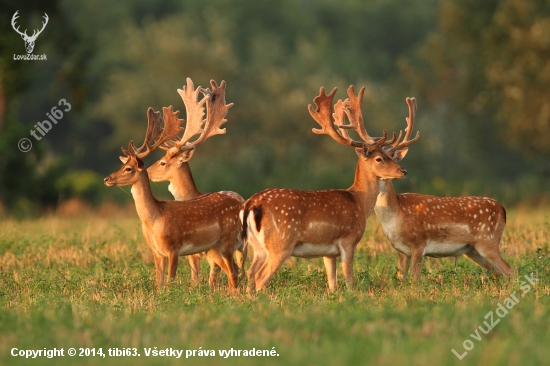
(29, 41)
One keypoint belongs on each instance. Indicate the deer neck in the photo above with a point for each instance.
(365, 187)
(147, 206)
(183, 186)
(387, 201)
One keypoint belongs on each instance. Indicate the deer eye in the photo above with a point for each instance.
(128, 169)
(378, 159)
(162, 163)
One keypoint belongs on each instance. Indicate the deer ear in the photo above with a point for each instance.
(362, 151)
(124, 159)
(139, 164)
(186, 155)
(398, 155)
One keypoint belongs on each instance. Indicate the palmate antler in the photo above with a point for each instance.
(351, 107)
(216, 112)
(196, 124)
(155, 135)
(168, 138)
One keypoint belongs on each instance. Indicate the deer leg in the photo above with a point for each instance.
(195, 264)
(347, 263)
(499, 266)
(268, 269)
(215, 260)
(330, 267)
(230, 269)
(241, 253)
(172, 265)
(404, 263)
(214, 272)
(240, 256)
(227, 250)
(260, 255)
(160, 264)
(416, 257)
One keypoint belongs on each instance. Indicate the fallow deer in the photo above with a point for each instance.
(175, 228)
(279, 223)
(419, 225)
(174, 168)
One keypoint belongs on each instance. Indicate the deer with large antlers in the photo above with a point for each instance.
(279, 223)
(174, 168)
(29, 40)
(175, 228)
(419, 225)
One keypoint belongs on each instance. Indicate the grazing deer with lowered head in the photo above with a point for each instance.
(174, 168)
(174, 228)
(418, 225)
(279, 223)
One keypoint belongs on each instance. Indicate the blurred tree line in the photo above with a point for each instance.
(479, 69)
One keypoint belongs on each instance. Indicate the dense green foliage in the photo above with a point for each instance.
(479, 70)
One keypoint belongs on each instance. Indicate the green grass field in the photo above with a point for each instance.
(89, 283)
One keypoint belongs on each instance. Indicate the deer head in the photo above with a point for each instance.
(132, 165)
(29, 40)
(372, 151)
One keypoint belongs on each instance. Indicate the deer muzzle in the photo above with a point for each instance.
(109, 182)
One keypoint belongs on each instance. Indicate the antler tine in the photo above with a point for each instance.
(154, 129)
(195, 112)
(13, 21)
(339, 116)
(355, 115)
(396, 142)
(172, 127)
(323, 116)
(216, 112)
(126, 152)
(411, 102)
(44, 23)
